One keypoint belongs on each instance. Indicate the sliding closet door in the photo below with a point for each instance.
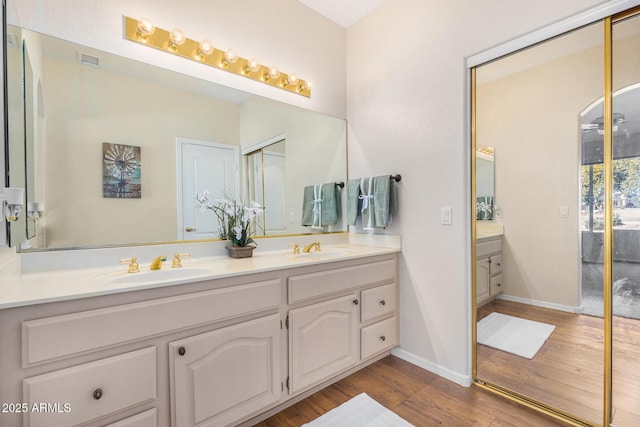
(528, 115)
(625, 290)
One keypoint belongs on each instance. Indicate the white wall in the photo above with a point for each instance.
(407, 112)
(277, 32)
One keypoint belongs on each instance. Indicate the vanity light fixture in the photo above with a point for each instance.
(230, 57)
(272, 73)
(145, 28)
(12, 201)
(143, 31)
(176, 38)
(252, 66)
(205, 47)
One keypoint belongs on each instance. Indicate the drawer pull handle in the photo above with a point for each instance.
(383, 302)
(383, 338)
(182, 351)
(97, 394)
(355, 301)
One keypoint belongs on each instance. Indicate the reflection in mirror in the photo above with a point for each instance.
(15, 124)
(485, 197)
(528, 278)
(266, 180)
(80, 98)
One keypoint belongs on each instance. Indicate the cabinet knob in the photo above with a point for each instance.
(182, 351)
(355, 301)
(383, 338)
(499, 284)
(383, 302)
(97, 393)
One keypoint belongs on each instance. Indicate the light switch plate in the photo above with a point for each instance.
(445, 216)
(564, 211)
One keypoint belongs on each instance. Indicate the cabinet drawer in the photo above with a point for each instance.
(379, 337)
(144, 419)
(496, 264)
(92, 390)
(378, 302)
(307, 286)
(496, 285)
(82, 332)
(484, 249)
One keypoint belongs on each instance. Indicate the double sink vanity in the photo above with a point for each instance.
(217, 342)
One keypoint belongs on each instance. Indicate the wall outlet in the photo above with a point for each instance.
(445, 216)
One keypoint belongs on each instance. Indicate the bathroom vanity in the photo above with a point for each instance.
(488, 267)
(229, 343)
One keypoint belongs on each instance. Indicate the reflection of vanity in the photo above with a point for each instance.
(488, 267)
(220, 349)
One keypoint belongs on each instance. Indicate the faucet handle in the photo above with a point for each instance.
(133, 264)
(318, 248)
(296, 248)
(177, 260)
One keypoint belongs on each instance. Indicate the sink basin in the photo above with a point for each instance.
(326, 253)
(159, 275)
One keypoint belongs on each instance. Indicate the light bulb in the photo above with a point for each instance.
(252, 66)
(176, 38)
(230, 57)
(204, 48)
(273, 73)
(145, 28)
(292, 79)
(305, 86)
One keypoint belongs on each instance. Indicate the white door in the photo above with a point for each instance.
(203, 166)
(274, 187)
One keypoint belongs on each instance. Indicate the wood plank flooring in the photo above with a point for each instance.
(566, 373)
(420, 397)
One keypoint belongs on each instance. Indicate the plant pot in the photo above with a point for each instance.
(240, 251)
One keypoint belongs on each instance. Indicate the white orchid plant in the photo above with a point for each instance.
(235, 217)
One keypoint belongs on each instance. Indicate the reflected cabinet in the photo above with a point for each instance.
(561, 119)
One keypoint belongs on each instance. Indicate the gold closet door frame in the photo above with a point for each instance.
(572, 419)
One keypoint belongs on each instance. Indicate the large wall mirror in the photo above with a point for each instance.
(551, 328)
(73, 110)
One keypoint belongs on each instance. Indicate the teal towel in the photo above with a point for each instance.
(384, 200)
(330, 205)
(353, 202)
(307, 206)
(320, 205)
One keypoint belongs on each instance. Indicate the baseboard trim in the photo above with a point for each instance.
(544, 304)
(463, 380)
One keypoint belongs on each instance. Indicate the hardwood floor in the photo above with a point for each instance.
(567, 373)
(418, 396)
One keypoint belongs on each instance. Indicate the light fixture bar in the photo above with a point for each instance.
(190, 49)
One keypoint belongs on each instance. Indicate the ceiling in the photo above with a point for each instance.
(343, 12)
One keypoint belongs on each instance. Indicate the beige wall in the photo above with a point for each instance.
(92, 113)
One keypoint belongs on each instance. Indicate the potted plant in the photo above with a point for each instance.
(235, 218)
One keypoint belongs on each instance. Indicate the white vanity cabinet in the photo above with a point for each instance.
(340, 318)
(488, 269)
(219, 352)
(224, 375)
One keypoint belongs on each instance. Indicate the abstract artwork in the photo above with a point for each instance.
(121, 171)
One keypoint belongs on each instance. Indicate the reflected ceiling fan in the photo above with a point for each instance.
(622, 125)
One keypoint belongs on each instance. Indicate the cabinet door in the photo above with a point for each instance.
(323, 341)
(496, 264)
(222, 376)
(482, 280)
(495, 285)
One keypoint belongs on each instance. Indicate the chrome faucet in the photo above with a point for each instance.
(310, 246)
(156, 264)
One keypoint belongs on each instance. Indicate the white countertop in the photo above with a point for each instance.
(49, 286)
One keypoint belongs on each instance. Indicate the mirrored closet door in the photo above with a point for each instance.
(556, 257)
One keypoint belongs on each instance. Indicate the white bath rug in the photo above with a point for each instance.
(361, 411)
(513, 334)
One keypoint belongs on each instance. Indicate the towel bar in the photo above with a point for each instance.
(340, 184)
(396, 177)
